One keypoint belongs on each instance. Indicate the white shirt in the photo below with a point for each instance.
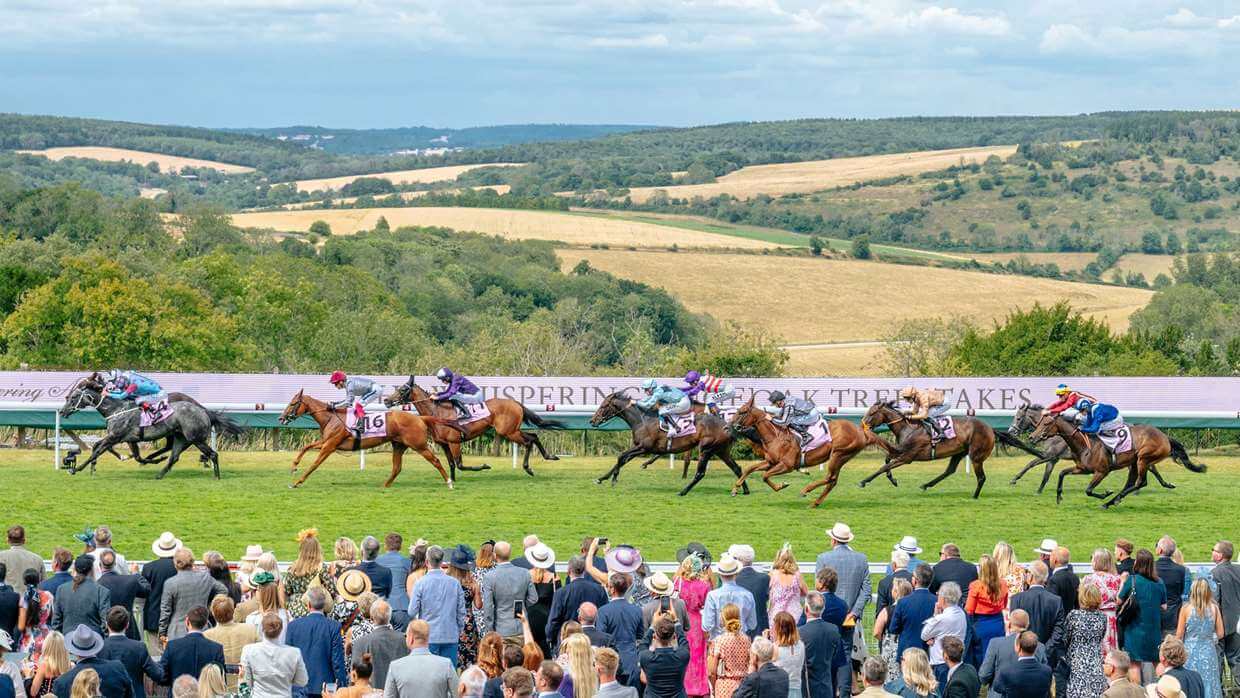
(14, 673)
(951, 621)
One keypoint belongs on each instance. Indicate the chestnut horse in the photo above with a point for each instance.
(506, 418)
(783, 450)
(1149, 446)
(404, 431)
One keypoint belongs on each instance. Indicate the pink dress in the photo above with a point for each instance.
(693, 593)
(1109, 584)
(785, 598)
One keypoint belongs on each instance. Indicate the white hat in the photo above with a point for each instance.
(1048, 546)
(252, 553)
(1167, 687)
(659, 584)
(908, 544)
(840, 532)
(540, 556)
(6, 642)
(743, 553)
(166, 545)
(728, 566)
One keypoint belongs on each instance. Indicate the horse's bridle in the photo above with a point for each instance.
(80, 389)
(608, 403)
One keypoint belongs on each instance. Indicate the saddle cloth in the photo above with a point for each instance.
(1118, 439)
(154, 414)
(374, 424)
(819, 434)
(681, 425)
(947, 428)
(476, 411)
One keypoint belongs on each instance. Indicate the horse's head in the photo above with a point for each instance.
(747, 416)
(295, 408)
(403, 394)
(1047, 425)
(610, 408)
(86, 394)
(878, 414)
(1026, 418)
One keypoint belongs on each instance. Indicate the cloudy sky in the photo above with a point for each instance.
(371, 63)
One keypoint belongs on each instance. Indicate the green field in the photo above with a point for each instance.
(252, 504)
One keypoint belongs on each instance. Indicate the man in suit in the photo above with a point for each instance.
(1001, 653)
(420, 674)
(567, 600)
(1115, 667)
(853, 587)
(398, 565)
(1226, 578)
(621, 619)
(1173, 656)
(517, 682)
(1173, 577)
(103, 544)
(662, 589)
(587, 615)
(132, 654)
(10, 605)
(157, 572)
(527, 543)
(501, 590)
(758, 584)
(85, 645)
(912, 611)
(607, 663)
(318, 638)
(874, 675)
(834, 611)
(899, 570)
(951, 568)
(192, 651)
(82, 601)
(548, 679)
(766, 680)
(17, 559)
(124, 588)
(1026, 677)
(185, 591)
(384, 644)
(1063, 581)
(380, 576)
(822, 643)
(962, 680)
(231, 635)
(1046, 616)
(62, 562)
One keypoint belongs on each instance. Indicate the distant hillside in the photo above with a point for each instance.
(381, 141)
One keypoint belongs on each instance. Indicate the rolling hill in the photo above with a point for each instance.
(167, 163)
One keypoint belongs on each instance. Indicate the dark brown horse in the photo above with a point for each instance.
(974, 438)
(782, 450)
(506, 418)
(712, 438)
(405, 430)
(1149, 446)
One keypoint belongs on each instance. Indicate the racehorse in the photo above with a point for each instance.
(1055, 448)
(404, 430)
(506, 418)
(782, 451)
(155, 456)
(1149, 446)
(712, 438)
(189, 423)
(974, 438)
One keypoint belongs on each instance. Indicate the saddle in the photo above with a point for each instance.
(474, 412)
(369, 425)
(679, 425)
(153, 413)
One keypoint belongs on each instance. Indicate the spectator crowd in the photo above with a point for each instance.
(446, 621)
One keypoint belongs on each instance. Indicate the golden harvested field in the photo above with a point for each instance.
(521, 225)
(422, 176)
(844, 360)
(1067, 261)
(806, 300)
(500, 189)
(167, 163)
(1149, 264)
(816, 175)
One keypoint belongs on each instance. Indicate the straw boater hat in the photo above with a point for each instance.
(166, 545)
(1167, 687)
(1048, 546)
(728, 566)
(659, 584)
(252, 553)
(624, 559)
(84, 642)
(840, 532)
(541, 556)
(908, 544)
(352, 583)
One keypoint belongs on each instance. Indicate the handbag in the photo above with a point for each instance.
(1129, 609)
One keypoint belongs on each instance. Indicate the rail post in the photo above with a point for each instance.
(361, 459)
(56, 440)
(514, 456)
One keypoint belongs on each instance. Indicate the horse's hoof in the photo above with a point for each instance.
(553, 457)
(1013, 481)
(925, 487)
(1169, 486)
(644, 466)
(861, 485)
(451, 485)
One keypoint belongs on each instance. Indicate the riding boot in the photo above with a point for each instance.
(801, 432)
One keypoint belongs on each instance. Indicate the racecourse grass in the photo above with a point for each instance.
(252, 504)
(167, 163)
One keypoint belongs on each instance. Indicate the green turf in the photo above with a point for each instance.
(252, 504)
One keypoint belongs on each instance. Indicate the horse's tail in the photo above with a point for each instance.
(530, 417)
(1007, 439)
(1179, 454)
(440, 421)
(225, 425)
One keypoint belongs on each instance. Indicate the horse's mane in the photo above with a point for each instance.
(1035, 406)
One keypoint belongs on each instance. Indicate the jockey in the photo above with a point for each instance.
(131, 385)
(669, 401)
(795, 413)
(928, 406)
(1066, 398)
(706, 389)
(1099, 418)
(358, 392)
(458, 390)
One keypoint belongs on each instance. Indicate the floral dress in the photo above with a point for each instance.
(467, 648)
(296, 586)
(1085, 631)
(693, 593)
(731, 653)
(1202, 646)
(1015, 580)
(1108, 584)
(31, 640)
(785, 598)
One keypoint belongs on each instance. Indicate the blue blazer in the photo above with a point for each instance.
(834, 611)
(909, 615)
(318, 638)
(1027, 678)
(113, 680)
(188, 655)
(623, 621)
(822, 646)
(133, 655)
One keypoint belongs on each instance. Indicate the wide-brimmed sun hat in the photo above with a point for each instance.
(352, 583)
(743, 553)
(84, 642)
(1167, 687)
(541, 556)
(252, 553)
(908, 544)
(624, 559)
(461, 557)
(728, 566)
(840, 532)
(1048, 546)
(166, 545)
(659, 584)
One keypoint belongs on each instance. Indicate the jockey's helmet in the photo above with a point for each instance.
(649, 385)
(1062, 389)
(908, 393)
(337, 377)
(778, 397)
(693, 377)
(444, 374)
(1083, 405)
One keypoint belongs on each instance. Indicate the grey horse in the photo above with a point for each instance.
(189, 424)
(1055, 448)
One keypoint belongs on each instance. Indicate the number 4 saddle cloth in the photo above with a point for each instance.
(150, 415)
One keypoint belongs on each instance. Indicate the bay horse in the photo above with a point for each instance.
(1149, 446)
(1055, 448)
(404, 430)
(506, 419)
(712, 438)
(974, 438)
(782, 450)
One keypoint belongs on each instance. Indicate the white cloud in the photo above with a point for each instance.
(647, 41)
